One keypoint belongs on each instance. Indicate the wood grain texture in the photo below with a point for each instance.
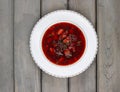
(85, 82)
(6, 46)
(52, 84)
(49, 83)
(52, 5)
(109, 45)
(27, 74)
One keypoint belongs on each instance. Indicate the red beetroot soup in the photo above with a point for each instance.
(63, 43)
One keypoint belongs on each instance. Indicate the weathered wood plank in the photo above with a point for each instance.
(52, 5)
(6, 46)
(52, 84)
(27, 74)
(49, 83)
(85, 82)
(109, 45)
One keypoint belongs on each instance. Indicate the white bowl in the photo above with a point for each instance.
(36, 43)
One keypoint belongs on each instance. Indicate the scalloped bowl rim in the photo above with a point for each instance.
(63, 16)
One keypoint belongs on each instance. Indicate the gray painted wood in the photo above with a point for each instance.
(52, 5)
(85, 82)
(49, 83)
(27, 74)
(52, 84)
(6, 46)
(109, 46)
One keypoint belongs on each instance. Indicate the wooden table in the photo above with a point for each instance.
(19, 73)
